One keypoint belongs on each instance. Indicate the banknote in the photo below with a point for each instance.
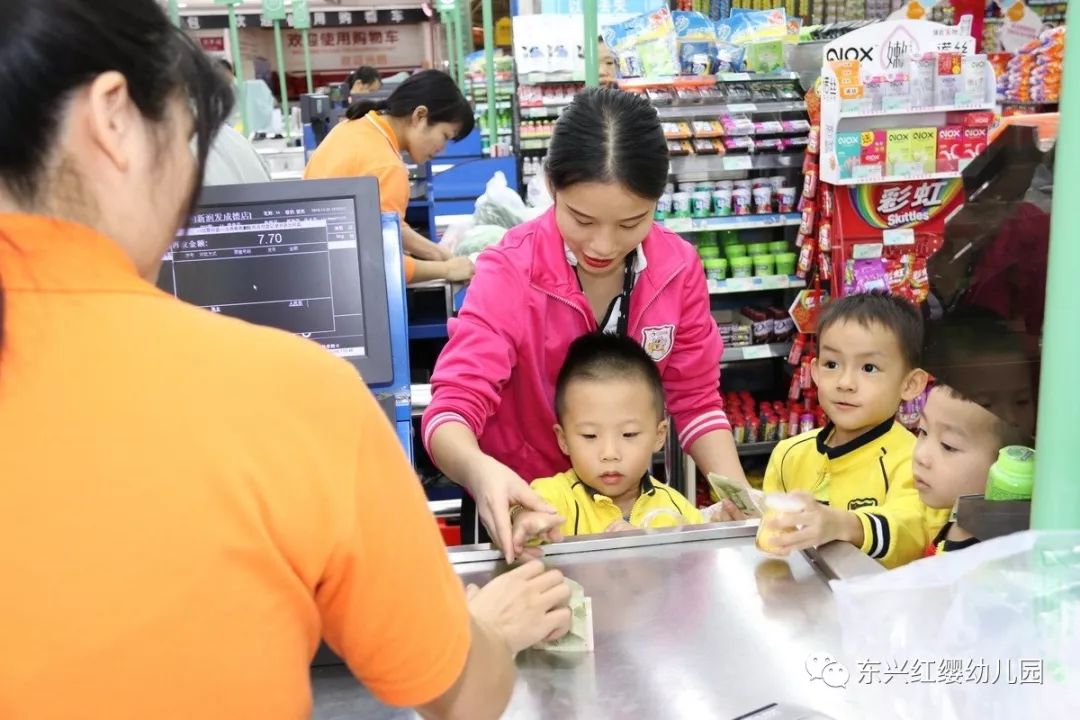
(580, 637)
(744, 497)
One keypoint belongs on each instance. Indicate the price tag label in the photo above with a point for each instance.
(679, 225)
(735, 77)
(895, 104)
(856, 107)
(738, 162)
(898, 236)
(742, 107)
(736, 284)
(865, 172)
(757, 352)
(866, 251)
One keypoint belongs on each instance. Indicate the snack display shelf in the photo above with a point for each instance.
(713, 110)
(550, 78)
(746, 353)
(686, 165)
(545, 112)
(766, 283)
(878, 179)
(983, 107)
(499, 104)
(731, 222)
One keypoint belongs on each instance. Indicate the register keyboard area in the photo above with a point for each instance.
(292, 266)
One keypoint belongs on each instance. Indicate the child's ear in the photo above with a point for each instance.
(914, 384)
(813, 370)
(560, 436)
(661, 435)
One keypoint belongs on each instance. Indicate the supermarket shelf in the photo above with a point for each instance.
(550, 78)
(897, 178)
(916, 111)
(755, 284)
(758, 448)
(755, 352)
(535, 145)
(735, 162)
(502, 133)
(713, 110)
(548, 111)
(756, 77)
(499, 105)
(732, 222)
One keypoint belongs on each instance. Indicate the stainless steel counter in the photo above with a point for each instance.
(688, 623)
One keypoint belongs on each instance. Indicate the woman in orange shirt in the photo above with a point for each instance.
(419, 118)
(189, 501)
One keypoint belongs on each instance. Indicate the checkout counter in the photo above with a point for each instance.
(690, 622)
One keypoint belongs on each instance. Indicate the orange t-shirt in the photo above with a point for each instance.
(366, 146)
(189, 501)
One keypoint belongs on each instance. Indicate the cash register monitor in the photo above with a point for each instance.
(302, 256)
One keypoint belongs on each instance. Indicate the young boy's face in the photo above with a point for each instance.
(610, 430)
(957, 443)
(862, 376)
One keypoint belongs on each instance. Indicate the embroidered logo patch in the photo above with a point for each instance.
(861, 503)
(658, 341)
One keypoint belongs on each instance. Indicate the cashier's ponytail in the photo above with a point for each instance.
(49, 49)
(432, 89)
(605, 136)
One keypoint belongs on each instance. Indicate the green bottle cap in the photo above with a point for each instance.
(1013, 475)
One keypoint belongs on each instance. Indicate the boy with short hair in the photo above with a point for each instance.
(982, 376)
(609, 400)
(854, 474)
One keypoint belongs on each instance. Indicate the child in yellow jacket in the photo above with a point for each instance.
(854, 476)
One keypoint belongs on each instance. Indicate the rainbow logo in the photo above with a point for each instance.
(902, 205)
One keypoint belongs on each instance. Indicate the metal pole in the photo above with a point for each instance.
(238, 69)
(174, 13)
(590, 46)
(489, 74)
(286, 120)
(307, 60)
(451, 56)
(1056, 501)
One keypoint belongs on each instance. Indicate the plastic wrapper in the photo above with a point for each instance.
(989, 632)
(645, 46)
(696, 38)
(501, 206)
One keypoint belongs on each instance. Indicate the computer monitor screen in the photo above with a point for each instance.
(303, 256)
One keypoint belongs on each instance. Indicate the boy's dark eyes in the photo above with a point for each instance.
(830, 364)
(948, 448)
(588, 436)
(870, 368)
(630, 435)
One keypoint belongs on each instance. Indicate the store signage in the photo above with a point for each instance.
(890, 44)
(273, 9)
(384, 46)
(888, 206)
(316, 20)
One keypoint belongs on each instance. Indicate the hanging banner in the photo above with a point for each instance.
(335, 19)
(381, 47)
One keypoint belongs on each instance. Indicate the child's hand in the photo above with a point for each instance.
(724, 511)
(619, 525)
(813, 526)
(531, 525)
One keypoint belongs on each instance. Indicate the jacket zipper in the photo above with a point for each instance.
(659, 290)
(590, 322)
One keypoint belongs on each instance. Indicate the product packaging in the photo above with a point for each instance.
(973, 143)
(898, 157)
(923, 149)
(922, 76)
(848, 153)
(974, 72)
(949, 145)
(645, 46)
(948, 80)
(696, 38)
(872, 153)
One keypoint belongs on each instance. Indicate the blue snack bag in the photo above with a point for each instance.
(696, 37)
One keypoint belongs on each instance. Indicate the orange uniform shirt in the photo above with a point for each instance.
(366, 147)
(188, 501)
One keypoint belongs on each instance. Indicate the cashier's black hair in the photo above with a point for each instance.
(365, 74)
(432, 89)
(602, 356)
(607, 135)
(893, 313)
(51, 48)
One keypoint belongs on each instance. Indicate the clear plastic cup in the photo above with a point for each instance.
(775, 505)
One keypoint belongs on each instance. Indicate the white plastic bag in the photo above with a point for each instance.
(499, 205)
(537, 193)
(992, 631)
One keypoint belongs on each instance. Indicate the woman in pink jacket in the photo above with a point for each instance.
(596, 260)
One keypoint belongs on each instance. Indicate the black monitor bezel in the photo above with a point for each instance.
(376, 366)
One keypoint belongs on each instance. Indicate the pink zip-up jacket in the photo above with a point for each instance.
(523, 309)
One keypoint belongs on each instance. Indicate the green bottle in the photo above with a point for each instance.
(1013, 475)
